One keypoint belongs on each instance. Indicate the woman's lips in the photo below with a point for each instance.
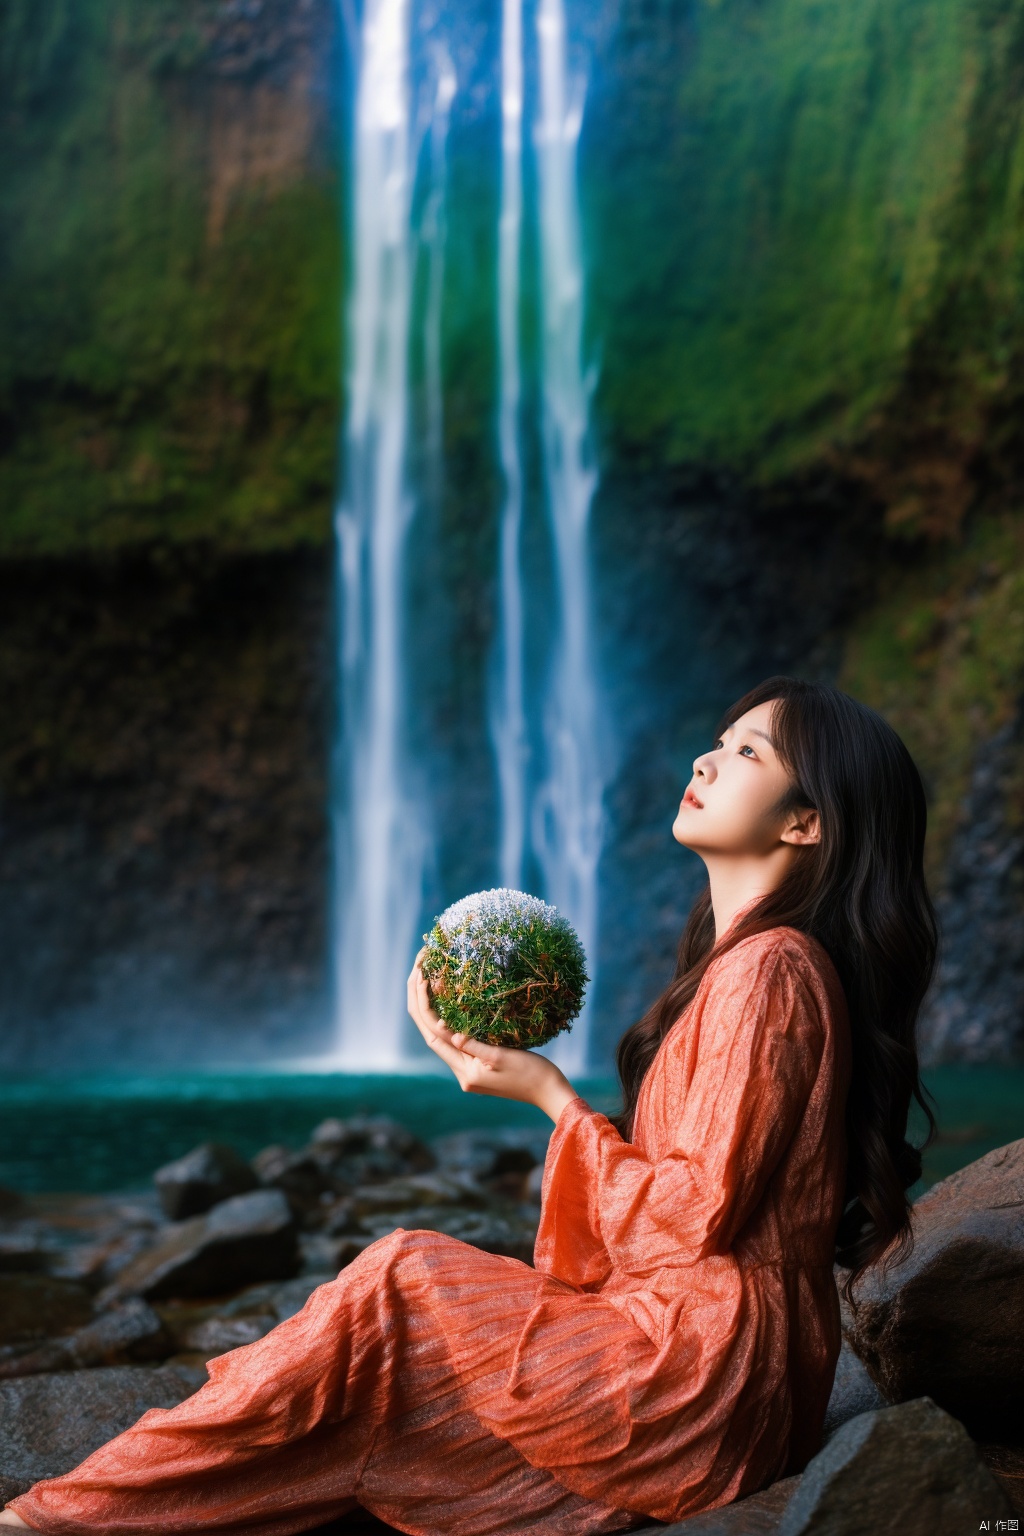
(691, 799)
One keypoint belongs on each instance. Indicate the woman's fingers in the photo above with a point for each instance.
(491, 1056)
(423, 995)
(418, 999)
(474, 1062)
(434, 1031)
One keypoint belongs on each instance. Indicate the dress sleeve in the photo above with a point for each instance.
(607, 1206)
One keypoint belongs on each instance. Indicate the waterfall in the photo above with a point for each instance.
(567, 811)
(384, 836)
(508, 709)
(433, 231)
(379, 824)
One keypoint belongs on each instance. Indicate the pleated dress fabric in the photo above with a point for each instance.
(672, 1349)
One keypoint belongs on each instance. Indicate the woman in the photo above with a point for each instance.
(674, 1347)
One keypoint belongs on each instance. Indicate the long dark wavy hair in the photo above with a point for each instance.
(861, 892)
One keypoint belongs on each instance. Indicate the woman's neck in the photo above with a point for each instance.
(737, 883)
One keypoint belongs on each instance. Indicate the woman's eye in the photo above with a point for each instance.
(748, 749)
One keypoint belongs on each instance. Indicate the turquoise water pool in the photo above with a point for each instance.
(101, 1133)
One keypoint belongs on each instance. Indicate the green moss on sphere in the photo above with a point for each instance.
(506, 968)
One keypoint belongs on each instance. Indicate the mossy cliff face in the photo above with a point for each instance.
(805, 250)
(794, 205)
(169, 288)
(163, 837)
(802, 217)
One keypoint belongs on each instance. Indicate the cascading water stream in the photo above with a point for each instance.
(380, 844)
(568, 812)
(433, 232)
(508, 707)
(383, 832)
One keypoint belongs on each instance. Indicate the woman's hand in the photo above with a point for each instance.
(493, 1069)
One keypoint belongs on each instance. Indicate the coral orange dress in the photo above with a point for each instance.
(673, 1348)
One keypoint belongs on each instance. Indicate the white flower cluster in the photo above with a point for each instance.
(487, 925)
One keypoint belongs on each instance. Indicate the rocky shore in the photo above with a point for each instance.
(113, 1304)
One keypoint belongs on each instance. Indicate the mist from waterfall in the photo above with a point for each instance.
(508, 704)
(545, 747)
(433, 232)
(568, 805)
(380, 824)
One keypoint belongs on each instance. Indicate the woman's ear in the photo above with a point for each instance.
(803, 828)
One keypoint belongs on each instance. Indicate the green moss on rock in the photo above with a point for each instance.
(784, 199)
(942, 656)
(164, 376)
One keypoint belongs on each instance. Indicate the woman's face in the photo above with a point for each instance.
(730, 804)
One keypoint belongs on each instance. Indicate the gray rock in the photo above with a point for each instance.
(368, 1149)
(101, 1262)
(949, 1322)
(486, 1154)
(48, 1424)
(853, 1392)
(214, 1327)
(419, 1189)
(349, 1248)
(911, 1468)
(757, 1515)
(38, 1307)
(218, 1335)
(973, 1011)
(129, 1332)
(95, 1236)
(283, 1299)
(24, 1253)
(201, 1179)
(494, 1232)
(243, 1240)
(297, 1174)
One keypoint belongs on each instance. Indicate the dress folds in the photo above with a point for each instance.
(672, 1349)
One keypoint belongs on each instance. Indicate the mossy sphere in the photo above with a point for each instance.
(505, 967)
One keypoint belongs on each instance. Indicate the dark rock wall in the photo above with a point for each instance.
(163, 838)
(976, 1011)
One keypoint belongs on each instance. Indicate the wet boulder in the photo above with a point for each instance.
(756, 1515)
(201, 1179)
(949, 1321)
(486, 1155)
(423, 1189)
(367, 1149)
(34, 1308)
(211, 1329)
(214, 1328)
(503, 1232)
(248, 1238)
(219, 1335)
(130, 1332)
(96, 1236)
(910, 1468)
(307, 1184)
(853, 1392)
(48, 1424)
(25, 1253)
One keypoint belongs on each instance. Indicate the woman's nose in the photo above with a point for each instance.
(704, 768)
